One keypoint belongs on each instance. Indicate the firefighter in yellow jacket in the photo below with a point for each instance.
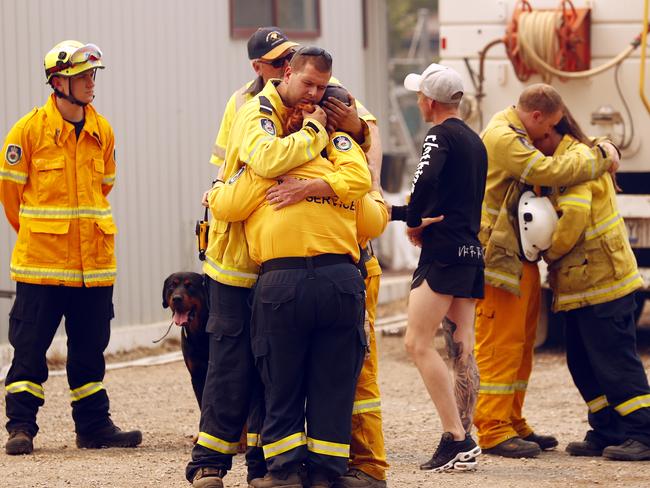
(258, 139)
(270, 51)
(593, 274)
(368, 465)
(506, 319)
(58, 167)
(309, 287)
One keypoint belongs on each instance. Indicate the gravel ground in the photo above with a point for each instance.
(159, 401)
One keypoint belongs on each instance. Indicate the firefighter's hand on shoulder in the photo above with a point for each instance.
(414, 234)
(613, 154)
(318, 114)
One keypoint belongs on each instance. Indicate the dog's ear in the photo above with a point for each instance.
(164, 290)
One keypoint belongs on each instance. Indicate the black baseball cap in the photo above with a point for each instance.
(268, 43)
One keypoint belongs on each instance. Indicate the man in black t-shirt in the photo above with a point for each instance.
(447, 190)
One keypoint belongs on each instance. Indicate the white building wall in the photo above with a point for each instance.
(171, 66)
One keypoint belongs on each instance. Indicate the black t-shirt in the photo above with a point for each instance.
(78, 126)
(449, 181)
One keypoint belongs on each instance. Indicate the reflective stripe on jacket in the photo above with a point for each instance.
(592, 261)
(235, 102)
(513, 163)
(53, 189)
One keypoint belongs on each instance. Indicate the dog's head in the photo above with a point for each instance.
(185, 294)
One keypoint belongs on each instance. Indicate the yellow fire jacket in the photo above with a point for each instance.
(316, 225)
(513, 163)
(257, 140)
(591, 258)
(239, 98)
(53, 188)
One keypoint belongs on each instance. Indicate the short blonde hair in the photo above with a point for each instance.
(542, 97)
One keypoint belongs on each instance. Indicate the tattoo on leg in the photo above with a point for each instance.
(465, 375)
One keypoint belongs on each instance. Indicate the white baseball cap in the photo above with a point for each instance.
(437, 82)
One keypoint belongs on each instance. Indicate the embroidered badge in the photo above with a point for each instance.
(342, 143)
(236, 176)
(527, 144)
(268, 126)
(13, 154)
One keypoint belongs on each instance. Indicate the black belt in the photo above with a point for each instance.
(304, 263)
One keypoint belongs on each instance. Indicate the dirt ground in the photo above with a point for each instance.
(159, 401)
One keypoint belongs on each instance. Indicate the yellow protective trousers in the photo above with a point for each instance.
(505, 336)
(367, 451)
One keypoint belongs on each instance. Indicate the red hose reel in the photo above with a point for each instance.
(573, 37)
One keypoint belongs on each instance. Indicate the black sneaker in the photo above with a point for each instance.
(111, 436)
(450, 452)
(469, 465)
(630, 450)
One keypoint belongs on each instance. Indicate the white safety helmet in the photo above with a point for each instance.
(537, 222)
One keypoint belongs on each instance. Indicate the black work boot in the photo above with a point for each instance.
(110, 436)
(280, 479)
(515, 447)
(584, 448)
(208, 478)
(545, 442)
(19, 442)
(630, 450)
(450, 452)
(355, 478)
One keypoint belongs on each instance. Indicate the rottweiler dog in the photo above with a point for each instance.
(185, 294)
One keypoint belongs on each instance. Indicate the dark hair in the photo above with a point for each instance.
(318, 57)
(569, 125)
(335, 91)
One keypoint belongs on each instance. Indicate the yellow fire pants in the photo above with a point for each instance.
(367, 451)
(505, 336)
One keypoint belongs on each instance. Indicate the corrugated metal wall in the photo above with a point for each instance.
(171, 66)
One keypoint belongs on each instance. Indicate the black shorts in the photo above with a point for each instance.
(458, 280)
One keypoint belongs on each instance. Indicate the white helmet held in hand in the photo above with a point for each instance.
(537, 222)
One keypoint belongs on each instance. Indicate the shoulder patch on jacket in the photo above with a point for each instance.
(342, 143)
(527, 144)
(519, 131)
(13, 154)
(268, 126)
(265, 105)
(236, 176)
